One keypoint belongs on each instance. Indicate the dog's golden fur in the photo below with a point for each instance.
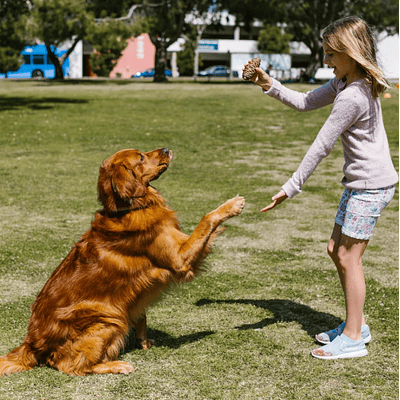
(133, 251)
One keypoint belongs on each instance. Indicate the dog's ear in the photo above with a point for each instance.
(116, 183)
(126, 185)
(105, 191)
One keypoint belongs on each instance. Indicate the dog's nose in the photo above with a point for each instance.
(165, 151)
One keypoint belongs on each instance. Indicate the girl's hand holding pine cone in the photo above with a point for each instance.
(253, 72)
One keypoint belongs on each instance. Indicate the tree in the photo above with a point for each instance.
(167, 20)
(383, 15)
(164, 24)
(271, 40)
(163, 20)
(201, 16)
(109, 40)
(305, 20)
(187, 57)
(13, 36)
(57, 22)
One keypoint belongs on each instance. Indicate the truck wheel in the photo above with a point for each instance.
(37, 73)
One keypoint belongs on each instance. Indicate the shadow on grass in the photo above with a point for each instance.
(311, 321)
(162, 339)
(83, 81)
(14, 103)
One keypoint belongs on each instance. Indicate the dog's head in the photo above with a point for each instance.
(125, 176)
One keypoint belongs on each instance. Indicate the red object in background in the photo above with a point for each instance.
(138, 56)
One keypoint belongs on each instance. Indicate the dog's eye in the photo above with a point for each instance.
(141, 158)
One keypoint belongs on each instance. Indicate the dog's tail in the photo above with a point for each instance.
(20, 359)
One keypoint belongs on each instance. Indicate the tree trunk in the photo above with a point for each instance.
(313, 65)
(57, 63)
(200, 30)
(160, 59)
(316, 58)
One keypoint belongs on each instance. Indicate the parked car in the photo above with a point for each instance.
(149, 73)
(218, 70)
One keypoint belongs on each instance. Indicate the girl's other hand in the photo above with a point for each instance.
(277, 199)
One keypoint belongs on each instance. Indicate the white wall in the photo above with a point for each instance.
(76, 62)
(388, 56)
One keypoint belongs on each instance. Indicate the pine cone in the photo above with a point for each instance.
(250, 68)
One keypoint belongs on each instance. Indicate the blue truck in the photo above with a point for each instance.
(37, 64)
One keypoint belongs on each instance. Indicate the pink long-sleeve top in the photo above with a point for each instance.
(357, 118)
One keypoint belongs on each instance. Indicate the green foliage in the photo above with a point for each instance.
(13, 35)
(165, 22)
(185, 58)
(108, 40)
(185, 61)
(272, 40)
(10, 59)
(56, 21)
(245, 328)
(383, 15)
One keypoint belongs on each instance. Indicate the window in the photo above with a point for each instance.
(27, 59)
(38, 59)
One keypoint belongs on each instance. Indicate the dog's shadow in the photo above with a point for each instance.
(162, 339)
(311, 321)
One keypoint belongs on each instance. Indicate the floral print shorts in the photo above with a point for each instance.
(359, 210)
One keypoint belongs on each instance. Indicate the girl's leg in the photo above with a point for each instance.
(350, 254)
(346, 253)
(333, 247)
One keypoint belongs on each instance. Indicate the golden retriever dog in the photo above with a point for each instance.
(133, 252)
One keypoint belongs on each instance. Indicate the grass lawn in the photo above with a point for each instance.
(245, 328)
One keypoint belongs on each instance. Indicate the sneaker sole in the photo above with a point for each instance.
(353, 354)
(366, 340)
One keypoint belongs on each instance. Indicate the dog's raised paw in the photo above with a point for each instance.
(235, 206)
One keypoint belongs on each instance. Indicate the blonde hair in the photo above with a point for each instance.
(353, 36)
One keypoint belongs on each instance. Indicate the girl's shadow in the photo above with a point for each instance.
(311, 321)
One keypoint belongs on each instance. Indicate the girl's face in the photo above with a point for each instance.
(343, 65)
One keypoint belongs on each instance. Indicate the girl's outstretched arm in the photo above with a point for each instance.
(277, 199)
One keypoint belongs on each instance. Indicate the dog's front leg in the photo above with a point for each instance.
(140, 326)
(192, 250)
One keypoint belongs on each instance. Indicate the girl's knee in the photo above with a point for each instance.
(332, 250)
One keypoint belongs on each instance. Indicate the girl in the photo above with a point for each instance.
(369, 175)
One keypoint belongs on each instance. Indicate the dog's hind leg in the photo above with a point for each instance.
(95, 351)
(20, 359)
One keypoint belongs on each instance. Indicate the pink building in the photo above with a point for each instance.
(138, 56)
